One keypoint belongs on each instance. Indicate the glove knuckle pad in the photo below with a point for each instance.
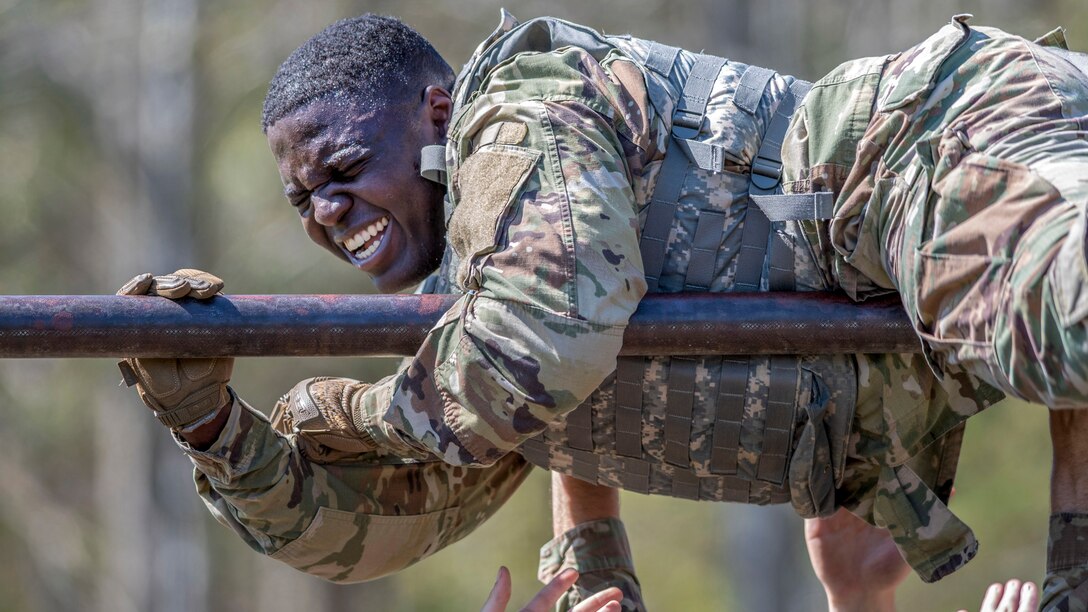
(196, 369)
(317, 413)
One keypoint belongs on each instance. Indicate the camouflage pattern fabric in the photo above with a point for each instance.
(602, 556)
(963, 189)
(1066, 584)
(350, 517)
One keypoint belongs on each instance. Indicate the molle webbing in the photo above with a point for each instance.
(748, 421)
(687, 122)
(771, 434)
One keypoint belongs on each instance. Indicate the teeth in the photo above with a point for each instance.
(369, 232)
(367, 252)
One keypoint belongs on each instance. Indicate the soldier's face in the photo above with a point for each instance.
(353, 175)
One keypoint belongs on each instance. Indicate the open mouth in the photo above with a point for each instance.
(366, 241)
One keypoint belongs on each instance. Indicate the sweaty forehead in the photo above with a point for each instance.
(322, 130)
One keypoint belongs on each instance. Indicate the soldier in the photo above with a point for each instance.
(570, 172)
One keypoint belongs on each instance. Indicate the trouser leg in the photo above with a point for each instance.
(996, 281)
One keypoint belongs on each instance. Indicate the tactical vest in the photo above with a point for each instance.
(745, 429)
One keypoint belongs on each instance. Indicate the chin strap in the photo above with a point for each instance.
(432, 163)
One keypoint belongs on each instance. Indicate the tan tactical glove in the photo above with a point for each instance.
(179, 391)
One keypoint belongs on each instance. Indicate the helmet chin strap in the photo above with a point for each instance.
(432, 164)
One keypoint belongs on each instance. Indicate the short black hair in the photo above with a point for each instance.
(373, 59)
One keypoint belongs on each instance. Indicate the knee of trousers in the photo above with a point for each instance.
(1041, 330)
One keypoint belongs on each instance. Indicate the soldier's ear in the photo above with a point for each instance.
(438, 109)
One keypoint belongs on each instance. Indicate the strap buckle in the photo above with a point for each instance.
(766, 173)
(686, 124)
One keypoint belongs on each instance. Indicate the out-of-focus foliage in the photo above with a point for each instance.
(130, 142)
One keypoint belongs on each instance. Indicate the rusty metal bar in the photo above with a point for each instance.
(310, 325)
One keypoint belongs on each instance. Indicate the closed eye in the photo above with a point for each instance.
(301, 201)
(351, 171)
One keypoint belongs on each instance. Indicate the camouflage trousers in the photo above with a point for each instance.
(976, 215)
(970, 201)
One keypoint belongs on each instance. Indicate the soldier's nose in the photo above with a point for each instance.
(329, 210)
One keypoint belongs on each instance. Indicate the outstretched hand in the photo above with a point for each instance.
(607, 600)
(858, 564)
(1013, 596)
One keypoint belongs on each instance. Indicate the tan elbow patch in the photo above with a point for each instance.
(488, 182)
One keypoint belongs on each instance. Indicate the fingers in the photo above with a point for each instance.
(608, 599)
(1013, 596)
(1029, 598)
(137, 286)
(500, 593)
(169, 286)
(202, 284)
(552, 591)
(186, 282)
(992, 597)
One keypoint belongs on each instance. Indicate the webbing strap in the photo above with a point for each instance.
(687, 119)
(659, 216)
(661, 58)
(767, 166)
(685, 484)
(753, 250)
(737, 489)
(775, 430)
(585, 465)
(709, 157)
(579, 426)
(750, 89)
(704, 251)
(778, 421)
(432, 163)
(679, 401)
(634, 474)
(796, 206)
(732, 390)
(629, 377)
(535, 451)
(780, 273)
(766, 183)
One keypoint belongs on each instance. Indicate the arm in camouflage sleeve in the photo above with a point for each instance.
(307, 490)
(600, 552)
(1066, 583)
(545, 233)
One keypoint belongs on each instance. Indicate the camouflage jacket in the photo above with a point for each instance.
(897, 468)
(552, 156)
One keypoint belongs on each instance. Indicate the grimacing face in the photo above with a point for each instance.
(352, 172)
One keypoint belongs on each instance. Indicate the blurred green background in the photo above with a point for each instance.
(130, 142)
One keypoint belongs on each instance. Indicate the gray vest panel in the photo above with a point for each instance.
(714, 428)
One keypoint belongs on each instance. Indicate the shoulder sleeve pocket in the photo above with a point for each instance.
(486, 186)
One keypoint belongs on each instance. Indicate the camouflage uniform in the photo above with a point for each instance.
(963, 189)
(552, 157)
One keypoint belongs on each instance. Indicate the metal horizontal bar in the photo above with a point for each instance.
(311, 325)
